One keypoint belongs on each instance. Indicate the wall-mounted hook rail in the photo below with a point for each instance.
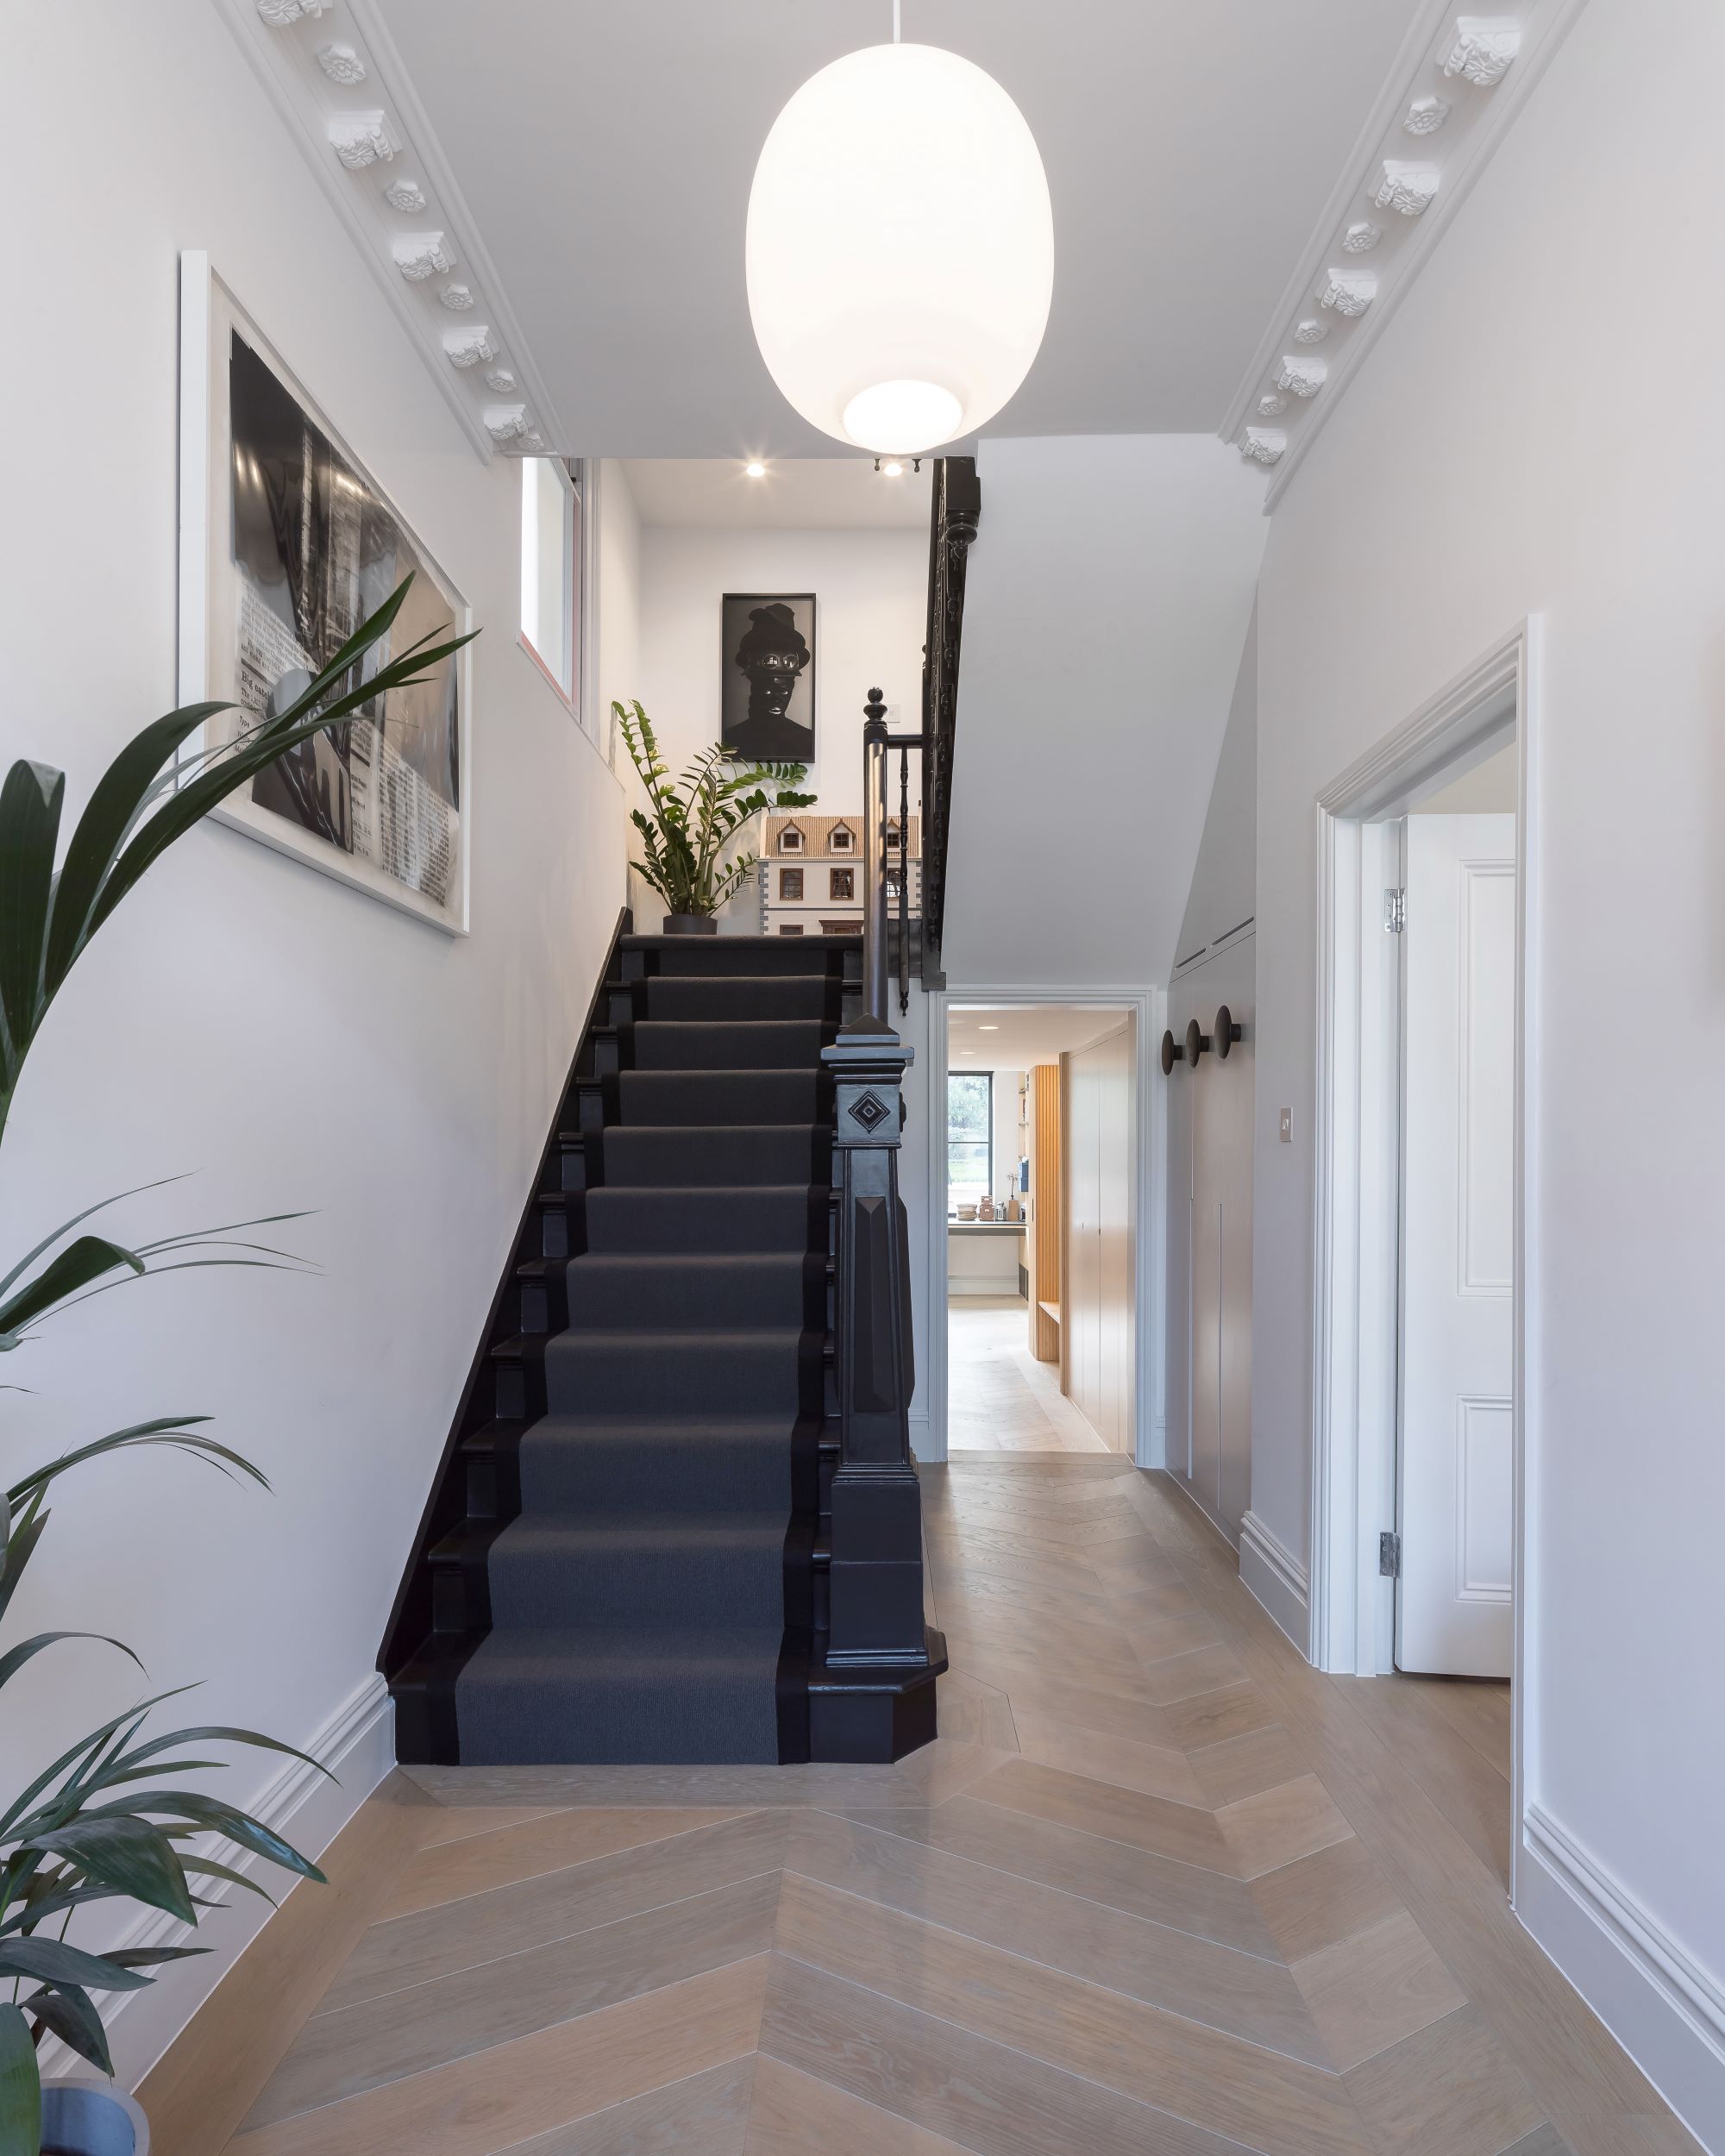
(1172, 1053)
(1197, 1043)
(1226, 1031)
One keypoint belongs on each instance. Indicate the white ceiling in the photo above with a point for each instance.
(604, 149)
(794, 494)
(1006, 1039)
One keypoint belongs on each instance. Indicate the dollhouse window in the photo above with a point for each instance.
(841, 883)
(790, 840)
(843, 841)
(790, 883)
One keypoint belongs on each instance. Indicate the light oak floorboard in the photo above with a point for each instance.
(1375, 1988)
(478, 2106)
(449, 1870)
(1248, 1998)
(1266, 2101)
(1185, 1897)
(1155, 1770)
(1187, 1832)
(707, 2113)
(1242, 1767)
(1448, 2091)
(1282, 1824)
(988, 2097)
(1184, 1677)
(408, 2032)
(1322, 1900)
(796, 2114)
(439, 1942)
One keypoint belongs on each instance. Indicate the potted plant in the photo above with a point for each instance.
(105, 1821)
(690, 823)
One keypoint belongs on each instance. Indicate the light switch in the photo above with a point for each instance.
(1288, 1126)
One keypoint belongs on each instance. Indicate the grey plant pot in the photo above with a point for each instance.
(691, 924)
(86, 2117)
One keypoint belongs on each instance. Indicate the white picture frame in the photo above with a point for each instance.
(407, 842)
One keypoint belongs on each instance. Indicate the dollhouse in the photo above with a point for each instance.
(811, 873)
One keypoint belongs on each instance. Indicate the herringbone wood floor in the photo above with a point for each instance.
(1158, 1888)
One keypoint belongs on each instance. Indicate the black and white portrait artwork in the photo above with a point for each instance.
(303, 546)
(768, 694)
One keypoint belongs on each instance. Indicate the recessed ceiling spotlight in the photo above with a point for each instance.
(987, 1029)
(756, 471)
(893, 468)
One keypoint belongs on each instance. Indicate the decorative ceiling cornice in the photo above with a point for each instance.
(333, 73)
(1457, 82)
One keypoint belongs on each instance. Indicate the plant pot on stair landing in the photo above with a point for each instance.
(84, 2117)
(691, 924)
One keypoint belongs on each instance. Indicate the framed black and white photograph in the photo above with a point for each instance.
(287, 543)
(767, 700)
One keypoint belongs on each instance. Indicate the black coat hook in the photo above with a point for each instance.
(1197, 1043)
(1226, 1031)
(1172, 1053)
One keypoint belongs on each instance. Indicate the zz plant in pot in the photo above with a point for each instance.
(694, 819)
(108, 1820)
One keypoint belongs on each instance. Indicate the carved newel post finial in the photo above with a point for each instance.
(875, 710)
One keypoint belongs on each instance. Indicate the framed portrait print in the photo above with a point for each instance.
(287, 543)
(766, 680)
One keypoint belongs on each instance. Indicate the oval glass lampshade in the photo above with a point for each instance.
(900, 248)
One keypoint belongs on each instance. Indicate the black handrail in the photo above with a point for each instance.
(955, 509)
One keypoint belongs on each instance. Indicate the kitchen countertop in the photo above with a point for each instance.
(985, 1227)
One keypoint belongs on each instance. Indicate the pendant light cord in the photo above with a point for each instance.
(898, 26)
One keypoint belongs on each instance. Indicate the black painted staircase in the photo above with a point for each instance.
(626, 1558)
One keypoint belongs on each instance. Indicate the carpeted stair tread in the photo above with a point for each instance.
(646, 1155)
(735, 1045)
(582, 1695)
(593, 1464)
(712, 1218)
(712, 1097)
(733, 996)
(745, 1289)
(664, 1568)
(739, 1371)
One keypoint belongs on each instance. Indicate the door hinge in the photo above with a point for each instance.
(1394, 912)
(1390, 1556)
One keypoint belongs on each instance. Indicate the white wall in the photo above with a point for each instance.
(283, 1039)
(1109, 593)
(1225, 875)
(1498, 456)
(618, 540)
(871, 600)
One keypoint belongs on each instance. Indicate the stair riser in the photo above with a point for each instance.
(705, 1222)
(735, 955)
(747, 1293)
(726, 998)
(619, 1586)
(678, 1158)
(703, 1097)
(579, 1720)
(767, 1046)
(589, 1374)
(620, 1475)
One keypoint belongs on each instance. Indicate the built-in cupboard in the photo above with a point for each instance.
(1210, 1126)
(1096, 1333)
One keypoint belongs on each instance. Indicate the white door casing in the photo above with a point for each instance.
(1455, 1468)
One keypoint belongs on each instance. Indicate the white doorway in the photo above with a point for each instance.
(1421, 1417)
(1036, 1107)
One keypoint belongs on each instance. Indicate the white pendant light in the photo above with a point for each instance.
(900, 248)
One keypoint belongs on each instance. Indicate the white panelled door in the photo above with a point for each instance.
(1455, 1495)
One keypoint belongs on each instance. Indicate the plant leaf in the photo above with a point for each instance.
(71, 2014)
(30, 803)
(75, 1266)
(15, 1657)
(20, 2087)
(129, 1855)
(209, 1814)
(177, 1431)
(51, 1961)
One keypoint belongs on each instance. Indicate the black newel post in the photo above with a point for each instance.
(876, 1578)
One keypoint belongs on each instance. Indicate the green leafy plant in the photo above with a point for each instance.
(84, 1832)
(693, 820)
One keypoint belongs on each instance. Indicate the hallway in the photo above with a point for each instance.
(1000, 1398)
(1159, 1886)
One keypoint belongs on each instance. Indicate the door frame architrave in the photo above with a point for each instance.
(1357, 1171)
(1149, 1139)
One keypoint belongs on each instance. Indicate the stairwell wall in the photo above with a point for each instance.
(283, 1039)
(1495, 459)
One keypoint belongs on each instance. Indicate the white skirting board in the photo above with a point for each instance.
(1275, 1577)
(923, 1444)
(357, 1744)
(1667, 2011)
